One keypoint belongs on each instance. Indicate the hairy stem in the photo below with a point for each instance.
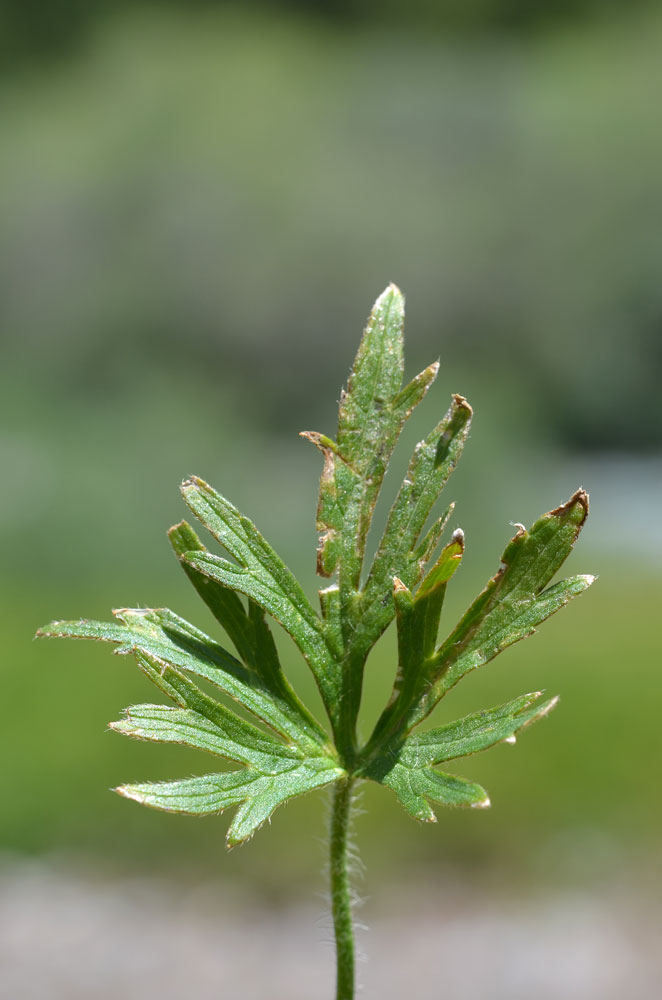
(340, 890)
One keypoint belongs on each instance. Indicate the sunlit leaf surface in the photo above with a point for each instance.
(286, 751)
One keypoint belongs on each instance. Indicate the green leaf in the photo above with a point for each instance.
(418, 618)
(510, 608)
(296, 754)
(405, 767)
(161, 724)
(261, 573)
(474, 732)
(399, 553)
(373, 411)
(171, 641)
(430, 468)
(235, 739)
(416, 787)
(515, 602)
(257, 793)
(248, 631)
(225, 605)
(262, 576)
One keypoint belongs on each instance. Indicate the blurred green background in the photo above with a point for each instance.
(199, 204)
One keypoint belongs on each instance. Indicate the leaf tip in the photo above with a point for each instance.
(462, 404)
(390, 298)
(192, 483)
(129, 792)
(49, 631)
(547, 708)
(392, 289)
(541, 712)
(483, 803)
(233, 839)
(576, 508)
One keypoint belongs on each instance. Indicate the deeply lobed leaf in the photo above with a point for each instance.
(248, 630)
(235, 738)
(418, 617)
(256, 793)
(161, 724)
(511, 606)
(262, 576)
(172, 642)
(475, 732)
(295, 755)
(373, 410)
(416, 787)
(399, 553)
(405, 765)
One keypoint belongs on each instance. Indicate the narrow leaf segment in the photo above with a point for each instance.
(257, 793)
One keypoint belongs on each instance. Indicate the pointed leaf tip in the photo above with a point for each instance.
(391, 289)
(543, 710)
(128, 792)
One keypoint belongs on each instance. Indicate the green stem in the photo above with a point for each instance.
(340, 890)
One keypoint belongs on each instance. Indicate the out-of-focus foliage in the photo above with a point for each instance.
(216, 179)
(182, 194)
(601, 810)
(39, 28)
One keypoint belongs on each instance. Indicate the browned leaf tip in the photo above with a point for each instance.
(579, 496)
(461, 403)
(314, 437)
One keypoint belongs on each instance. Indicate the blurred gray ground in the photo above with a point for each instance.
(71, 933)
